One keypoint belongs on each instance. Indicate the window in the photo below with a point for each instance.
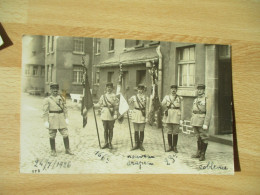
(111, 44)
(110, 76)
(47, 73)
(50, 44)
(79, 45)
(133, 43)
(137, 42)
(27, 70)
(77, 74)
(97, 77)
(186, 66)
(97, 44)
(125, 80)
(47, 46)
(35, 70)
(51, 70)
(42, 71)
(43, 43)
(224, 51)
(140, 77)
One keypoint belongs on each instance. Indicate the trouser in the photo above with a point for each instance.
(201, 134)
(108, 130)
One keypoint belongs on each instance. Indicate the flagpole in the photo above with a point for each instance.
(163, 140)
(84, 93)
(130, 129)
(96, 126)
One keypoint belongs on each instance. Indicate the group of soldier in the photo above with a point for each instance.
(56, 117)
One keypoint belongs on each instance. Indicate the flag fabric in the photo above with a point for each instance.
(87, 101)
(123, 105)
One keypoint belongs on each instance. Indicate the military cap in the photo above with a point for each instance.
(141, 86)
(109, 84)
(174, 86)
(201, 86)
(54, 86)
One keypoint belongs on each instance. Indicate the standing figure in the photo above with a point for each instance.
(139, 117)
(109, 106)
(55, 115)
(172, 117)
(201, 113)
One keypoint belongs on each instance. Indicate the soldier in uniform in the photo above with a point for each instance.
(109, 106)
(139, 117)
(55, 115)
(201, 113)
(172, 117)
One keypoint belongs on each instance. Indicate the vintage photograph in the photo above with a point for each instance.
(105, 105)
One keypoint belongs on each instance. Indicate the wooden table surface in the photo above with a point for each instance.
(235, 22)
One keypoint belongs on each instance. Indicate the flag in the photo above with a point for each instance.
(87, 101)
(123, 105)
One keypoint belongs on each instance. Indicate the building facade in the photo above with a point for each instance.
(33, 69)
(63, 62)
(183, 64)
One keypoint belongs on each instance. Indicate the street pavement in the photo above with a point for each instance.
(89, 158)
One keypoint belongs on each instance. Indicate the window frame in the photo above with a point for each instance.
(188, 62)
(78, 69)
(79, 42)
(111, 50)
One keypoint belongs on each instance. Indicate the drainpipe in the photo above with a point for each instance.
(159, 113)
(159, 72)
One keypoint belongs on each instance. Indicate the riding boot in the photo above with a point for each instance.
(175, 141)
(106, 139)
(170, 143)
(136, 141)
(53, 149)
(203, 151)
(141, 141)
(197, 155)
(67, 145)
(110, 139)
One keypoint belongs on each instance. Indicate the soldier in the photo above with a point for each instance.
(109, 105)
(139, 117)
(201, 113)
(173, 117)
(55, 115)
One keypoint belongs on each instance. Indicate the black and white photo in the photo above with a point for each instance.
(105, 105)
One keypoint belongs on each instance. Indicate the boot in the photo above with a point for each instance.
(110, 139)
(203, 150)
(175, 141)
(106, 139)
(197, 155)
(170, 143)
(67, 146)
(136, 141)
(141, 141)
(53, 149)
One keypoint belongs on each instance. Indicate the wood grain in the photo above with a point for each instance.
(234, 22)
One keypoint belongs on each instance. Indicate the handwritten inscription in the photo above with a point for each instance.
(170, 159)
(212, 166)
(45, 164)
(140, 160)
(102, 156)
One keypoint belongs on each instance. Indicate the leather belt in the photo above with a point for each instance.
(199, 112)
(60, 111)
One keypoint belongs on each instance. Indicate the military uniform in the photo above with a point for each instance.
(55, 114)
(201, 114)
(139, 116)
(172, 117)
(109, 105)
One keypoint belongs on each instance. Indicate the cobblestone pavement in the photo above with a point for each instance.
(89, 158)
